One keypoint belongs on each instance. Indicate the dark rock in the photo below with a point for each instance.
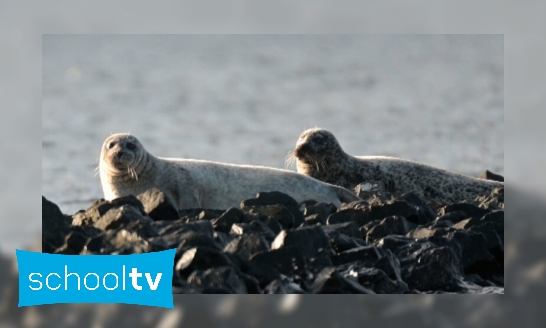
(218, 278)
(263, 273)
(321, 210)
(489, 230)
(157, 205)
(329, 281)
(308, 241)
(276, 287)
(76, 240)
(201, 258)
(274, 225)
(341, 242)
(195, 214)
(193, 239)
(276, 198)
(367, 255)
(431, 269)
(374, 279)
(347, 215)
(227, 219)
(417, 214)
(289, 262)
(424, 265)
(315, 220)
(123, 241)
(453, 217)
(257, 227)
(392, 225)
(488, 175)
(100, 207)
(412, 213)
(414, 200)
(247, 245)
(54, 225)
(173, 232)
(471, 211)
(348, 228)
(278, 212)
(222, 238)
(121, 216)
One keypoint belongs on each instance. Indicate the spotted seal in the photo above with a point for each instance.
(127, 168)
(318, 154)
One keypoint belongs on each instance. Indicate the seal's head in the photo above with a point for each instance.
(317, 150)
(122, 155)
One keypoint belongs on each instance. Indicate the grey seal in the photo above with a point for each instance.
(318, 154)
(127, 168)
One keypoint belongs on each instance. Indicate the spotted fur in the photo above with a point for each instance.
(320, 156)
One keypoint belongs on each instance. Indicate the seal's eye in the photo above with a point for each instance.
(110, 145)
(130, 146)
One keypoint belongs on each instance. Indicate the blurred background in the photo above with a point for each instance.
(524, 49)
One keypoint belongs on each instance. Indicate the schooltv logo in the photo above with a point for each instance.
(143, 279)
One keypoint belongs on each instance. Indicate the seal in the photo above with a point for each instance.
(318, 154)
(126, 168)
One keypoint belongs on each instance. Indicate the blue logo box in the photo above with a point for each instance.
(143, 279)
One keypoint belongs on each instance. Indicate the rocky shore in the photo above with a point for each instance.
(272, 244)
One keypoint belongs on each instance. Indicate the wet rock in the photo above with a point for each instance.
(277, 212)
(227, 219)
(256, 227)
(215, 279)
(393, 225)
(276, 198)
(157, 205)
(488, 175)
(247, 245)
(329, 281)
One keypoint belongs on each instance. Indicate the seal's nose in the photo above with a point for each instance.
(119, 154)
